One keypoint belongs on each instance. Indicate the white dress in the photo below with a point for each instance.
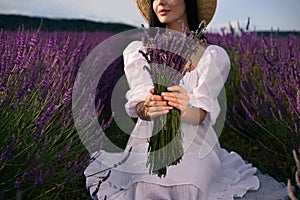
(212, 172)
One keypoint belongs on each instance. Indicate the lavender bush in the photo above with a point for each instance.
(264, 92)
(41, 153)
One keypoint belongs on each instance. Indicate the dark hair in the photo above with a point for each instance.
(192, 15)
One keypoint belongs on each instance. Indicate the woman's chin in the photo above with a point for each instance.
(165, 20)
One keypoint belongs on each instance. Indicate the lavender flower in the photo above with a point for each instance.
(13, 106)
(67, 97)
(17, 184)
(63, 152)
(9, 151)
(298, 100)
(34, 39)
(247, 111)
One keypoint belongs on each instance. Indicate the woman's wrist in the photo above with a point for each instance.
(141, 111)
(193, 115)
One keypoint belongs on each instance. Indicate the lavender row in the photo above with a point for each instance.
(263, 91)
(41, 153)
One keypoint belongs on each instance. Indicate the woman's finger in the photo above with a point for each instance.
(176, 105)
(156, 103)
(156, 114)
(152, 100)
(175, 88)
(158, 108)
(154, 111)
(152, 90)
(174, 95)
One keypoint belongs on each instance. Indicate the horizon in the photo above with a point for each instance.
(264, 15)
(124, 23)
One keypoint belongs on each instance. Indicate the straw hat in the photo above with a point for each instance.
(206, 9)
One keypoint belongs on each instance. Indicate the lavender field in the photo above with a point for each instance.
(41, 153)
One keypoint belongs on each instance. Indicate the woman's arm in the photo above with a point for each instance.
(139, 80)
(194, 115)
(141, 111)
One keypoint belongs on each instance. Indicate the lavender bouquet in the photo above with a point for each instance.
(168, 55)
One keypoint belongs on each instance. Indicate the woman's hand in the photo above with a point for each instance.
(155, 105)
(176, 97)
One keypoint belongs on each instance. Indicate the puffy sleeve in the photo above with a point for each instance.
(213, 69)
(138, 78)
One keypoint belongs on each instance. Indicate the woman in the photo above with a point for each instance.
(206, 170)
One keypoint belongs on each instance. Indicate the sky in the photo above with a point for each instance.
(264, 14)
